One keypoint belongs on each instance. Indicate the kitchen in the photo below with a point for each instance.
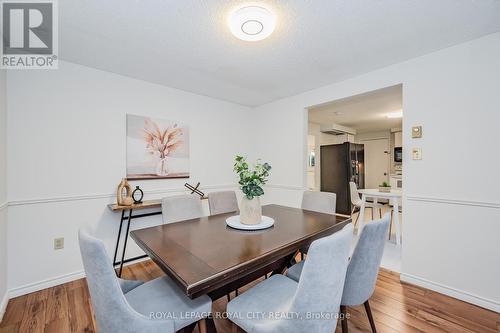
(359, 140)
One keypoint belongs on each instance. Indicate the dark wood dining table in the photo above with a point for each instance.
(204, 256)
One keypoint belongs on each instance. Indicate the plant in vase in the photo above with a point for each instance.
(160, 143)
(384, 187)
(251, 182)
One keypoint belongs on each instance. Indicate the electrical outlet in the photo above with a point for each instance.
(59, 243)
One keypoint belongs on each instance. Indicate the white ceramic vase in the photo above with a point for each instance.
(250, 211)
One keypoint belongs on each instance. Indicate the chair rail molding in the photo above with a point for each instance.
(110, 195)
(286, 187)
(449, 201)
(4, 205)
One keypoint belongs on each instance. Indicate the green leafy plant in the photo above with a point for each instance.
(385, 184)
(251, 181)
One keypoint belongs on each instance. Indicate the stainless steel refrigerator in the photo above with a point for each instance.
(341, 164)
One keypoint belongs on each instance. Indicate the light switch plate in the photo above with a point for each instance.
(416, 153)
(59, 243)
(416, 132)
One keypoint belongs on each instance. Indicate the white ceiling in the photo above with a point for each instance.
(186, 44)
(365, 113)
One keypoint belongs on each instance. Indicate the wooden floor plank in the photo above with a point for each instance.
(14, 312)
(397, 308)
(34, 314)
(441, 306)
(79, 311)
(57, 304)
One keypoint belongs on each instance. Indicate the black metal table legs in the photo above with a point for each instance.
(128, 219)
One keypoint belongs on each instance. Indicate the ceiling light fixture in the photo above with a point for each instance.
(397, 114)
(252, 23)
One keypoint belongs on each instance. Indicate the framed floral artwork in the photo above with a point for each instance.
(156, 148)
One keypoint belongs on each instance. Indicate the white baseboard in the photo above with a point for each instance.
(36, 286)
(3, 304)
(452, 292)
(52, 282)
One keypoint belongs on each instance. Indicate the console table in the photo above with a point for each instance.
(126, 215)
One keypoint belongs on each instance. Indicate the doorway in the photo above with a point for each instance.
(370, 123)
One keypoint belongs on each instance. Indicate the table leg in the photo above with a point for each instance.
(361, 223)
(210, 325)
(118, 238)
(125, 243)
(375, 201)
(395, 207)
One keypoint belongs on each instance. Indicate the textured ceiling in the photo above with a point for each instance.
(366, 112)
(186, 44)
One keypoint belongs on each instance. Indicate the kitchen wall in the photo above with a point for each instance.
(3, 193)
(451, 230)
(372, 135)
(67, 155)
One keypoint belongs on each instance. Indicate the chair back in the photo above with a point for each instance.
(111, 309)
(222, 202)
(321, 284)
(181, 207)
(365, 262)
(321, 202)
(355, 199)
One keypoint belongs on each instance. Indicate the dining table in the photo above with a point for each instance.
(204, 256)
(394, 197)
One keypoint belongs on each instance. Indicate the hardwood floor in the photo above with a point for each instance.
(397, 307)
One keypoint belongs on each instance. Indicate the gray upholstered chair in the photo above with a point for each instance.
(318, 292)
(321, 202)
(222, 202)
(181, 207)
(131, 306)
(363, 268)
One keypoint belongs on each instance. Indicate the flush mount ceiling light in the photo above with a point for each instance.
(397, 114)
(252, 23)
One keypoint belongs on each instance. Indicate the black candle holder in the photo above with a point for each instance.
(136, 193)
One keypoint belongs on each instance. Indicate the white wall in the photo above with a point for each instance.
(3, 193)
(452, 208)
(372, 136)
(67, 155)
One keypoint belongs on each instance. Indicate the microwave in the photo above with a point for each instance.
(398, 154)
